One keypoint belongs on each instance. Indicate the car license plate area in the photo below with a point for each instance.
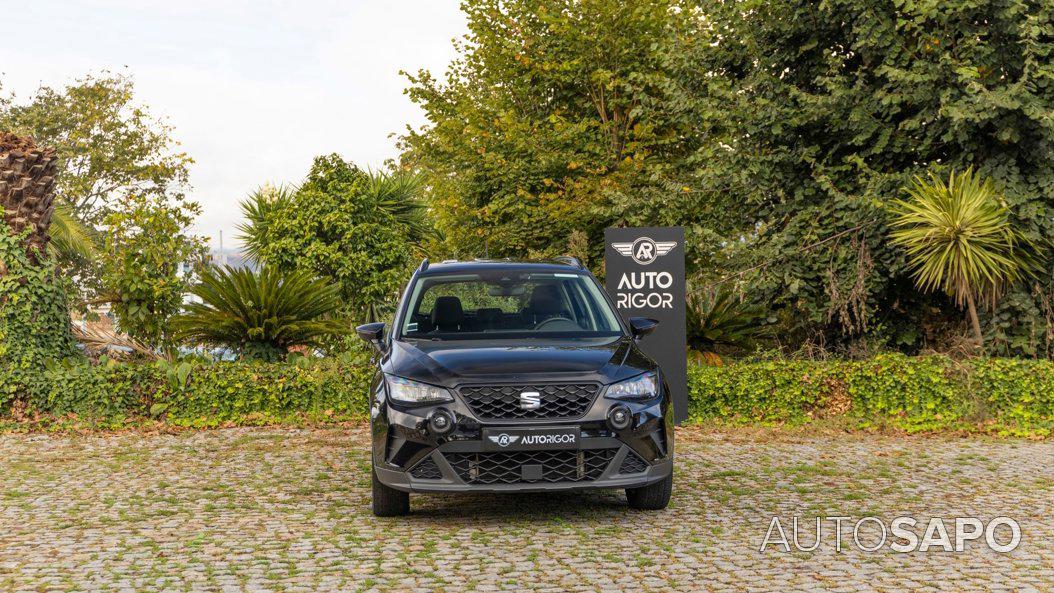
(531, 439)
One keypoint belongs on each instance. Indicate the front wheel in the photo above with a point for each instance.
(389, 502)
(653, 497)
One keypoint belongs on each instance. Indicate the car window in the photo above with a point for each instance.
(499, 304)
(473, 295)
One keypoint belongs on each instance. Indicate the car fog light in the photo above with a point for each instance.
(619, 417)
(440, 422)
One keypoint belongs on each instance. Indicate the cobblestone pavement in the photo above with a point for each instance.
(287, 510)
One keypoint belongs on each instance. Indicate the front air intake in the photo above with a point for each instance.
(549, 466)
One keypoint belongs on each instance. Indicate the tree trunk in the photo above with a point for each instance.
(27, 184)
(972, 307)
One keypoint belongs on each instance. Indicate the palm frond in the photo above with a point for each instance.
(399, 193)
(70, 238)
(718, 318)
(97, 338)
(262, 313)
(259, 210)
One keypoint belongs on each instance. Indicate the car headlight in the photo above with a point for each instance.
(411, 392)
(644, 386)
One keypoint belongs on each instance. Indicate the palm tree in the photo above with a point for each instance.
(259, 210)
(261, 314)
(27, 190)
(959, 239)
(399, 194)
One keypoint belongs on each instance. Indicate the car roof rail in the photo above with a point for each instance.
(423, 266)
(569, 260)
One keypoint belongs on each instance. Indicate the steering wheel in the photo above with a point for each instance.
(565, 322)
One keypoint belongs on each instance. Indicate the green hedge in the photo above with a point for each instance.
(206, 394)
(1008, 396)
(234, 392)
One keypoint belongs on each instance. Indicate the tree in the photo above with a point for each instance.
(27, 180)
(262, 314)
(776, 132)
(108, 145)
(147, 248)
(34, 319)
(111, 155)
(341, 223)
(959, 239)
(262, 207)
(121, 220)
(827, 110)
(556, 117)
(399, 193)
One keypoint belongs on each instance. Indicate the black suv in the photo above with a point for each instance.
(504, 376)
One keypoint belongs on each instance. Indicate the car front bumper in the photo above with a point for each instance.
(452, 480)
(407, 456)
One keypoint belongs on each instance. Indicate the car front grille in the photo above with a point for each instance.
(632, 464)
(502, 402)
(426, 470)
(508, 468)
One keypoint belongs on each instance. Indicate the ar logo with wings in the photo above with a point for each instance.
(504, 440)
(644, 250)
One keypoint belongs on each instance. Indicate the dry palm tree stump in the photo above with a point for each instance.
(27, 184)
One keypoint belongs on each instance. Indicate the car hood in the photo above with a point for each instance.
(455, 361)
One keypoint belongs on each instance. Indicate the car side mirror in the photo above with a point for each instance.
(642, 326)
(372, 333)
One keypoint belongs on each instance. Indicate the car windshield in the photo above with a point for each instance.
(508, 304)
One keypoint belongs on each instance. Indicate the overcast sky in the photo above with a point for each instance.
(254, 89)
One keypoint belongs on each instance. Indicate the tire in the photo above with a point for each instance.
(653, 497)
(389, 502)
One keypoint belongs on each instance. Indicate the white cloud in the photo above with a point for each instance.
(255, 90)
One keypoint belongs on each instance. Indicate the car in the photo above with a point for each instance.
(505, 376)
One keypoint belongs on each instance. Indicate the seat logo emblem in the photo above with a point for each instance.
(530, 400)
(644, 250)
(504, 440)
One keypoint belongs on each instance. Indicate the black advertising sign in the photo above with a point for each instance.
(645, 278)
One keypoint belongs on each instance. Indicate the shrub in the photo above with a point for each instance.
(254, 393)
(1021, 392)
(1010, 396)
(34, 320)
(207, 394)
(262, 314)
(1002, 396)
(109, 390)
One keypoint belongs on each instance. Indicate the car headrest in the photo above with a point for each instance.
(545, 298)
(447, 313)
